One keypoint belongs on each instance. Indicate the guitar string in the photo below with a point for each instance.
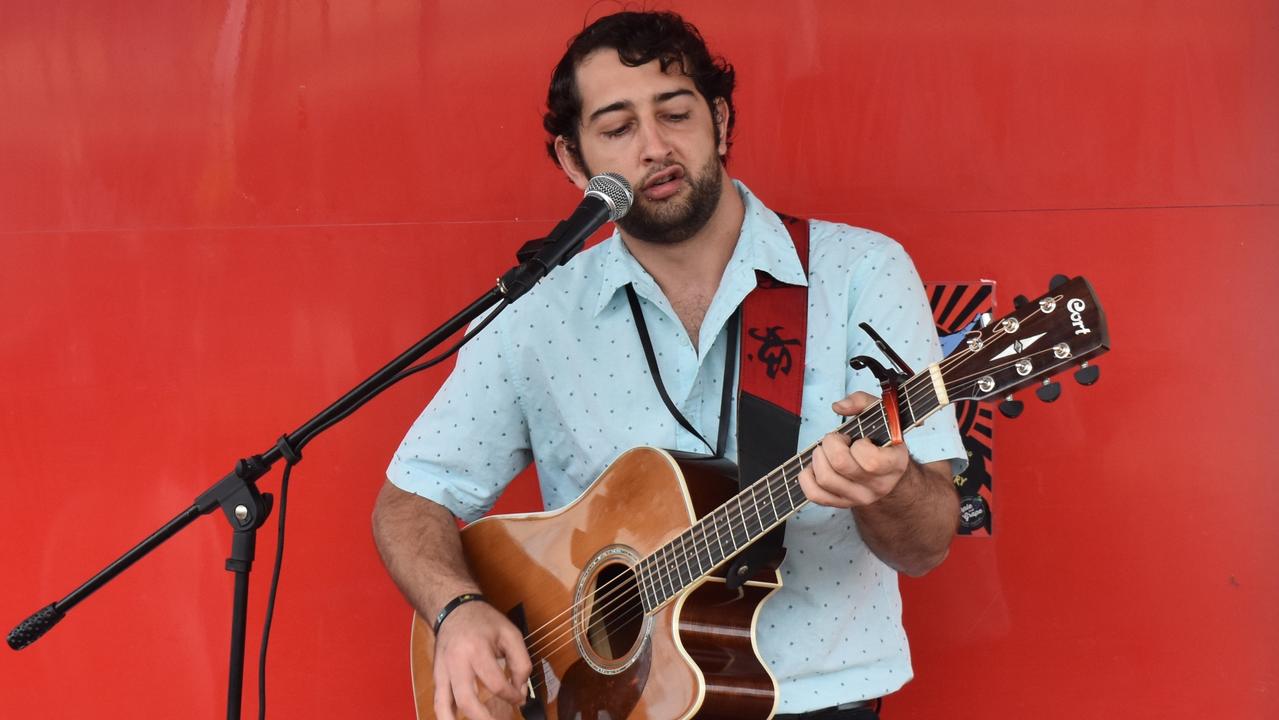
(629, 609)
(619, 593)
(630, 615)
(685, 541)
(920, 381)
(739, 536)
(690, 539)
(609, 600)
(691, 535)
(634, 587)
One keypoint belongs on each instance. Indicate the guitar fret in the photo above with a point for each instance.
(690, 545)
(693, 546)
(646, 588)
(700, 556)
(707, 549)
(741, 514)
(767, 484)
(685, 571)
(667, 571)
(908, 418)
(683, 558)
(652, 587)
(718, 539)
(768, 481)
(658, 589)
(930, 401)
(727, 523)
(795, 487)
(755, 504)
(777, 513)
(712, 551)
(880, 435)
(694, 564)
(786, 486)
(677, 578)
(668, 587)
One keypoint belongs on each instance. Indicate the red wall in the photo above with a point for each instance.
(216, 217)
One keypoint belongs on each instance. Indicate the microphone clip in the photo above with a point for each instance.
(537, 258)
(608, 197)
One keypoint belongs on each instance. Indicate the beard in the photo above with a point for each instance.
(669, 222)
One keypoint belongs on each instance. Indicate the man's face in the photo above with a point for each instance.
(657, 131)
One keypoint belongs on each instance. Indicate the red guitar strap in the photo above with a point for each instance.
(771, 390)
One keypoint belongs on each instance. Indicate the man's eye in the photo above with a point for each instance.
(680, 117)
(617, 132)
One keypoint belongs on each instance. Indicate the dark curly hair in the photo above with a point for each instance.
(639, 38)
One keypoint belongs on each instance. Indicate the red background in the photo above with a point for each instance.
(215, 217)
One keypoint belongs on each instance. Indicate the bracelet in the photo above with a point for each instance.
(454, 604)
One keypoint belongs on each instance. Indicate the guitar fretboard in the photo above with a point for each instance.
(768, 502)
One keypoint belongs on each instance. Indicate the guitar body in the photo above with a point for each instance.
(695, 656)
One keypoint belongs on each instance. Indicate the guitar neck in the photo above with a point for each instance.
(770, 501)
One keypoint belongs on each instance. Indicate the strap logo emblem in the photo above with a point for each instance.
(773, 351)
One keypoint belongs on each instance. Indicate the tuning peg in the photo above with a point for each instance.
(1049, 391)
(1057, 281)
(1087, 374)
(1011, 408)
(1019, 301)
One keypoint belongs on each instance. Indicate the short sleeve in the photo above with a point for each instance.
(889, 295)
(472, 439)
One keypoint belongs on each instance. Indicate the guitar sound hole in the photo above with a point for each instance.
(617, 614)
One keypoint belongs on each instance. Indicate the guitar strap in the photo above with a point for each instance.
(774, 330)
(774, 317)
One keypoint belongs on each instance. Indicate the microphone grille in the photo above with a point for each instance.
(614, 191)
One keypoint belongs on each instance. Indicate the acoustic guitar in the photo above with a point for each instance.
(621, 595)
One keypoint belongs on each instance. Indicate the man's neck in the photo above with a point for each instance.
(689, 272)
(697, 264)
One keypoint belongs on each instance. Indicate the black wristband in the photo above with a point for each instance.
(452, 605)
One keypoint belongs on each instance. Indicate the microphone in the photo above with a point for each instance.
(608, 198)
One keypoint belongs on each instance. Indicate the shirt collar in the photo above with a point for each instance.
(764, 244)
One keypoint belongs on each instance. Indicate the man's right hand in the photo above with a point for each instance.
(477, 646)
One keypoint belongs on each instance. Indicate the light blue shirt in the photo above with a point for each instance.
(561, 378)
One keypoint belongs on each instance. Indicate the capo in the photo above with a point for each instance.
(889, 380)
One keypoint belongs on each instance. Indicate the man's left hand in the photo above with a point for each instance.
(846, 474)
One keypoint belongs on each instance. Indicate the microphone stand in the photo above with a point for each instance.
(237, 494)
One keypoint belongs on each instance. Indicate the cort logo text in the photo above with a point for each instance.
(1076, 306)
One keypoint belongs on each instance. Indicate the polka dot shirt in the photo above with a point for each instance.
(560, 379)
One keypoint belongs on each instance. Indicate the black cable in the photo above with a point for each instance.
(275, 582)
(293, 451)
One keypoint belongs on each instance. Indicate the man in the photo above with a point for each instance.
(561, 378)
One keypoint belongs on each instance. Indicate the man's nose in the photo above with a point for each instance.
(655, 146)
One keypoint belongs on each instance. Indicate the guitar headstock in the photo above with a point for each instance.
(1042, 337)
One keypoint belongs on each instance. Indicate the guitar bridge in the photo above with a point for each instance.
(533, 708)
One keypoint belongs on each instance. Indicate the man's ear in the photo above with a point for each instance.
(568, 162)
(721, 122)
